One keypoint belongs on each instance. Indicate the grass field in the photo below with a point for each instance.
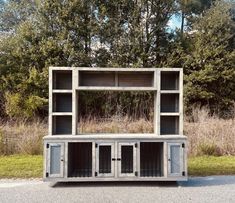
(28, 166)
(21, 166)
(211, 165)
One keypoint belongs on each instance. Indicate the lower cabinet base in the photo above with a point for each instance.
(74, 158)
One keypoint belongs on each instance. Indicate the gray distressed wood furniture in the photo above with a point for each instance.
(72, 156)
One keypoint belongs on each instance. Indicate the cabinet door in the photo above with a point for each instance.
(126, 159)
(55, 160)
(105, 159)
(175, 159)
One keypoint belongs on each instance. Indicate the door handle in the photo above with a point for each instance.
(113, 159)
(118, 159)
(61, 159)
(169, 159)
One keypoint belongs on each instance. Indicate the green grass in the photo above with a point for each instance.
(211, 165)
(27, 166)
(21, 166)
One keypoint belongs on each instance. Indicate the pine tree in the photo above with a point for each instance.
(210, 62)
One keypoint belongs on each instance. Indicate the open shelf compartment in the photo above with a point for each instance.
(169, 103)
(116, 79)
(62, 79)
(151, 159)
(80, 159)
(170, 80)
(169, 125)
(62, 125)
(62, 102)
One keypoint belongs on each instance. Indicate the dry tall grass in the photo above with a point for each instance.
(206, 134)
(115, 124)
(209, 134)
(22, 137)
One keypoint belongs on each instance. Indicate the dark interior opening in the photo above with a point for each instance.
(118, 79)
(127, 159)
(80, 159)
(169, 125)
(151, 159)
(62, 125)
(62, 102)
(104, 159)
(62, 79)
(169, 80)
(169, 102)
(90, 78)
(131, 79)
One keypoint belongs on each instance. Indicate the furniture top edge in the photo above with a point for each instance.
(115, 136)
(114, 69)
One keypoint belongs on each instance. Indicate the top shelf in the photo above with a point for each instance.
(62, 79)
(113, 79)
(170, 80)
(116, 79)
(89, 88)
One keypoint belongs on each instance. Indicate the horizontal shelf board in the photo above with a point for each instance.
(104, 136)
(104, 69)
(165, 69)
(60, 68)
(169, 113)
(115, 69)
(61, 91)
(93, 88)
(169, 91)
(62, 113)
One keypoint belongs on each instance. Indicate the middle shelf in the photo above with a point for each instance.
(96, 88)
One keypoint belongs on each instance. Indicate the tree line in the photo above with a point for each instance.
(36, 34)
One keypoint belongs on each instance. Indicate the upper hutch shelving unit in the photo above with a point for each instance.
(72, 156)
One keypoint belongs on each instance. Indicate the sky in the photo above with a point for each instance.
(174, 22)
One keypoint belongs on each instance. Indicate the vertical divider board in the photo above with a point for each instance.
(66, 160)
(75, 82)
(157, 83)
(165, 159)
(158, 98)
(50, 101)
(181, 111)
(93, 159)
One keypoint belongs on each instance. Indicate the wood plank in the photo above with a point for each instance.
(135, 79)
(88, 88)
(62, 91)
(90, 78)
